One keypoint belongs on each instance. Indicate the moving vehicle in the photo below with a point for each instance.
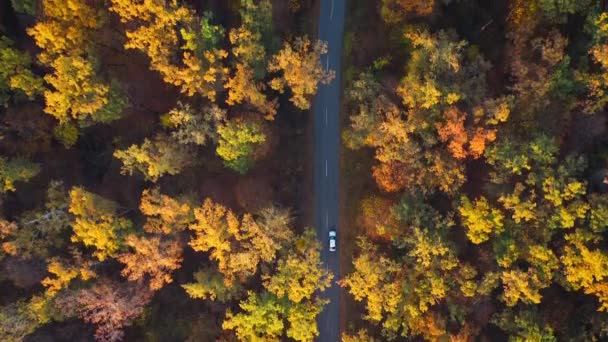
(332, 239)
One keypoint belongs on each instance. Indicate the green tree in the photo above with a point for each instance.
(597, 83)
(239, 140)
(24, 6)
(525, 325)
(254, 37)
(440, 73)
(16, 73)
(154, 158)
(66, 133)
(17, 321)
(558, 10)
(368, 106)
(211, 284)
(16, 170)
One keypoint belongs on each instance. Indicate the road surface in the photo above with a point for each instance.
(326, 166)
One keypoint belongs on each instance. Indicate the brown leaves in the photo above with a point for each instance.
(109, 305)
(391, 176)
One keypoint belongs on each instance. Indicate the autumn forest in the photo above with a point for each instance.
(156, 171)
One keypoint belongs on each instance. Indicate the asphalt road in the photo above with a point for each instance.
(326, 160)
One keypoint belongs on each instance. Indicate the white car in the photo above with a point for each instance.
(332, 240)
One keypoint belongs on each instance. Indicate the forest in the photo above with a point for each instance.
(476, 166)
(156, 171)
(152, 171)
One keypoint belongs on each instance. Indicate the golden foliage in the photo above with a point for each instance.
(77, 93)
(300, 64)
(160, 28)
(521, 286)
(63, 274)
(66, 30)
(152, 259)
(243, 88)
(97, 222)
(165, 215)
(479, 219)
(237, 245)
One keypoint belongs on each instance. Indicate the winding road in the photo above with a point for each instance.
(326, 160)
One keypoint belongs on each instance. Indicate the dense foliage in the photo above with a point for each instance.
(487, 219)
(135, 139)
(154, 187)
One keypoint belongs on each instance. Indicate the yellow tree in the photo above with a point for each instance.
(586, 268)
(260, 320)
(164, 215)
(66, 29)
(62, 273)
(243, 88)
(479, 219)
(237, 245)
(394, 11)
(374, 280)
(300, 274)
(77, 92)
(190, 126)
(151, 259)
(97, 222)
(154, 158)
(15, 170)
(210, 284)
(15, 71)
(241, 140)
(248, 46)
(521, 286)
(165, 32)
(301, 68)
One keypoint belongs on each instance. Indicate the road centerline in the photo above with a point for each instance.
(327, 146)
